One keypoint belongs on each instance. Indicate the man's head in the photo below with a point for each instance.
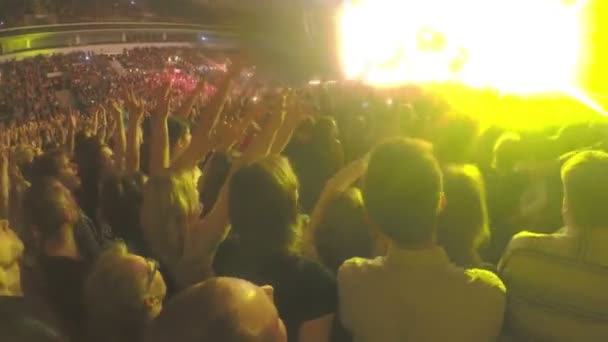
(123, 291)
(220, 309)
(50, 209)
(585, 180)
(403, 190)
(11, 250)
(56, 164)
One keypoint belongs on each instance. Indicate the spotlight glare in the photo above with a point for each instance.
(515, 46)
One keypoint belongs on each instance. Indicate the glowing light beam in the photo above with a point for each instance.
(514, 46)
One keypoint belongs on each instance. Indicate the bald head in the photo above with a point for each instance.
(220, 309)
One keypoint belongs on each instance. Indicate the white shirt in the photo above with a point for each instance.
(419, 296)
(558, 285)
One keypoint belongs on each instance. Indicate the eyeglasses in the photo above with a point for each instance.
(153, 267)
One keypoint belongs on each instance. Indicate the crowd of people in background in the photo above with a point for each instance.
(14, 13)
(180, 198)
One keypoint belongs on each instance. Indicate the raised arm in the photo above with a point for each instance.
(120, 146)
(136, 108)
(340, 182)
(159, 142)
(201, 141)
(72, 128)
(103, 132)
(185, 110)
(4, 184)
(293, 117)
(263, 143)
(95, 127)
(217, 218)
(207, 235)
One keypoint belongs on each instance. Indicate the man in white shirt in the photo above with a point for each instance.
(557, 282)
(414, 293)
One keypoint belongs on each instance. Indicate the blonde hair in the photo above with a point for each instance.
(114, 296)
(170, 204)
(11, 249)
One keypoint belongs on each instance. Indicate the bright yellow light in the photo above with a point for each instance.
(515, 46)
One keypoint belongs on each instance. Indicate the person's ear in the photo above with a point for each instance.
(269, 291)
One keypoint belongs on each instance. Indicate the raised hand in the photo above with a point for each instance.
(163, 101)
(73, 119)
(117, 110)
(230, 131)
(103, 115)
(274, 107)
(134, 105)
(96, 120)
(159, 143)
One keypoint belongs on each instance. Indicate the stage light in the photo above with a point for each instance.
(514, 46)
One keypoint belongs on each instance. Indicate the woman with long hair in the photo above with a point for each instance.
(264, 214)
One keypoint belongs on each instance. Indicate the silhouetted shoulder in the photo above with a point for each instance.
(485, 278)
(358, 267)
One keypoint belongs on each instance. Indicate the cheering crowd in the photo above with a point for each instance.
(15, 13)
(180, 198)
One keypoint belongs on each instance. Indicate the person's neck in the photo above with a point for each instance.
(64, 245)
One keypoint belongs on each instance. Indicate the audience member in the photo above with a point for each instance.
(220, 309)
(305, 291)
(58, 271)
(343, 232)
(179, 156)
(20, 319)
(557, 281)
(414, 289)
(215, 172)
(123, 293)
(56, 164)
(120, 205)
(505, 184)
(94, 161)
(462, 228)
(169, 209)
(339, 227)
(316, 161)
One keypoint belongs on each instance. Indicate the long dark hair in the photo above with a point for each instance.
(263, 207)
(89, 158)
(121, 198)
(211, 182)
